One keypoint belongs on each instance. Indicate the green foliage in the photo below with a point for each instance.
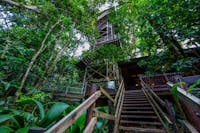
(111, 53)
(5, 129)
(23, 120)
(175, 91)
(195, 87)
(28, 100)
(185, 64)
(161, 30)
(53, 113)
(23, 130)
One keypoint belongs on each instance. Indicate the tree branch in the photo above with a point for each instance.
(35, 56)
(29, 7)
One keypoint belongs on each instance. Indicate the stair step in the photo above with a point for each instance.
(136, 99)
(67, 99)
(129, 101)
(135, 96)
(132, 96)
(136, 91)
(140, 122)
(138, 129)
(74, 96)
(129, 104)
(137, 108)
(74, 93)
(139, 116)
(137, 112)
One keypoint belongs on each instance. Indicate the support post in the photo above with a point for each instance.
(110, 123)
(90, 110)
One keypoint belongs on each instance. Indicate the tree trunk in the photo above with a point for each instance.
(35, 56)
(49, 68)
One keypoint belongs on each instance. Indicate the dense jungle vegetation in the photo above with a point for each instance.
(39, 40)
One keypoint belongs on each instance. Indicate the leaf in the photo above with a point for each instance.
(41, 109)
(80, 122)
(38, 103)
(5, 129)
(4, 118)
(54, 112)
(23, 130)
(175, 91)
(6, 85)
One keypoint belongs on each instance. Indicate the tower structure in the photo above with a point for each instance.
(106, 30)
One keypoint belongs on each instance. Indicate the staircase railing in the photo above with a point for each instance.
(157, 103)
(81, 89)
(159, 79)
(118, 102)
(89, 106)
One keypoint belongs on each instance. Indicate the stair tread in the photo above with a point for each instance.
(73, 96)
(133, 105)
(74, 93)
(133, 91)
(139, 129)
(138, 112)
(136, 99)
(137, 108)
(140, 122)
(138, 116)
(125, 101)
(134, 96)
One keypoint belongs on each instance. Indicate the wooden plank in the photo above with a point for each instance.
(118, 103)
(104, 115)
(90, 126)
(118, 111)
(90, 76)
(153, 93)
(107, 95)
(154, 108)
(190, 127)
(118, 92)
(68, 120)
(137, 112)
(137, 129)
(96, 71)
(139, 116)
(140, 122)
